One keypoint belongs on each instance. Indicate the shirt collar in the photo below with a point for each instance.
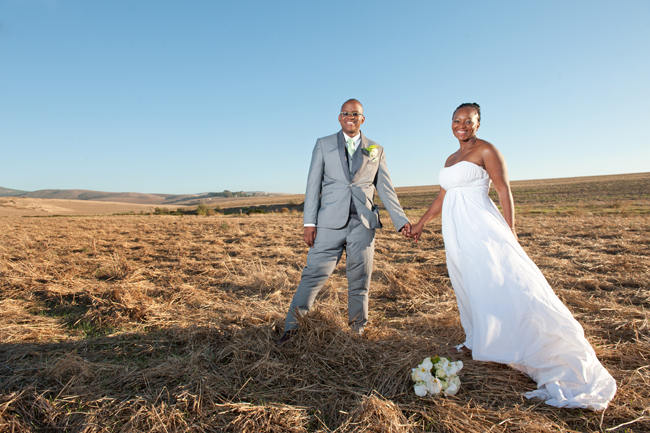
(356, 139)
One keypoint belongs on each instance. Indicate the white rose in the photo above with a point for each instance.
(453, 385)
(420, 389)
(455, 367)
(452, 389)
(434, 386)
(420, 374)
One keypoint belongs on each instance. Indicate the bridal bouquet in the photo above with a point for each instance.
(435, 376)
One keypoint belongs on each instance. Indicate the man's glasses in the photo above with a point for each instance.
(354, 114)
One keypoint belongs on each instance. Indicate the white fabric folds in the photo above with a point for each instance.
(509, 312)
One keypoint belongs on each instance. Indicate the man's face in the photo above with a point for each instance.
(351, 118)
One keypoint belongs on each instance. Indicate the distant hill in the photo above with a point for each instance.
(132, 197)
(228, 198)
(7, 192)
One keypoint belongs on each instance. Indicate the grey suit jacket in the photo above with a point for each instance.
(330, 185)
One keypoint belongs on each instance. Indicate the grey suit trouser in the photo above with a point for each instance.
(359, 244)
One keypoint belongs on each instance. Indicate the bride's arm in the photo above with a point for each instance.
(496, 168)
(433, 211)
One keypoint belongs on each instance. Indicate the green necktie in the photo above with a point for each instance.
(350, 146)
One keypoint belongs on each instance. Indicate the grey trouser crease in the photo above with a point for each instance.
(359, 244)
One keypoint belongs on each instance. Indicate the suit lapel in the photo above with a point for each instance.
(358, 161)
(340, 144)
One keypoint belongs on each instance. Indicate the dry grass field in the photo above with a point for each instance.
(21, 206)
(160, 323)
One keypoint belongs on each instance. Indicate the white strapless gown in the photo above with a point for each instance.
(509, 312)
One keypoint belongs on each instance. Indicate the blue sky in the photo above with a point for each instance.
(181, 97)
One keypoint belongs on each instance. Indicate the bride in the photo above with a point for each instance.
(509, 312)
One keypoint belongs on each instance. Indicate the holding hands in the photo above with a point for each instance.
(416, 231)
(412, 231)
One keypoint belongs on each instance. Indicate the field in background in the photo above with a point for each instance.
(19, 206)
(546, 196)
(159, 323)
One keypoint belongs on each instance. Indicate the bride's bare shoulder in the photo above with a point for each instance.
(486, 148)
(484, 144)
(490, 155)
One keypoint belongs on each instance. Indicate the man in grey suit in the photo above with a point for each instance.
(346, 170)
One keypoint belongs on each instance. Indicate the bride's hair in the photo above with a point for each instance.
(473, 105)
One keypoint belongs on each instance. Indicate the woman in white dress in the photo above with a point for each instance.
(509, 312)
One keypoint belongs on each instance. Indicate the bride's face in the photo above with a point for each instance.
(464, 123)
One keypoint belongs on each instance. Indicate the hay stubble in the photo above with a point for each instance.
(166, 323)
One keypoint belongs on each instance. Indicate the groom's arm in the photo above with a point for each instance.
(312, 194)
(388, 196)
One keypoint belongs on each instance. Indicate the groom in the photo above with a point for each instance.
(346, 170)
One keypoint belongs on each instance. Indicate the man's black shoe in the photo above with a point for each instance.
(285, 337)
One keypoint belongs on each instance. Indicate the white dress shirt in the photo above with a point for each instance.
(356, 139)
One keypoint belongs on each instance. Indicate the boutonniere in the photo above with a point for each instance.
(372, 152)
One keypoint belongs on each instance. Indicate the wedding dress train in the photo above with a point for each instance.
(509, 312)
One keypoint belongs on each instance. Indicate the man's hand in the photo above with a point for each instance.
(310, 236)
(406, 230)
